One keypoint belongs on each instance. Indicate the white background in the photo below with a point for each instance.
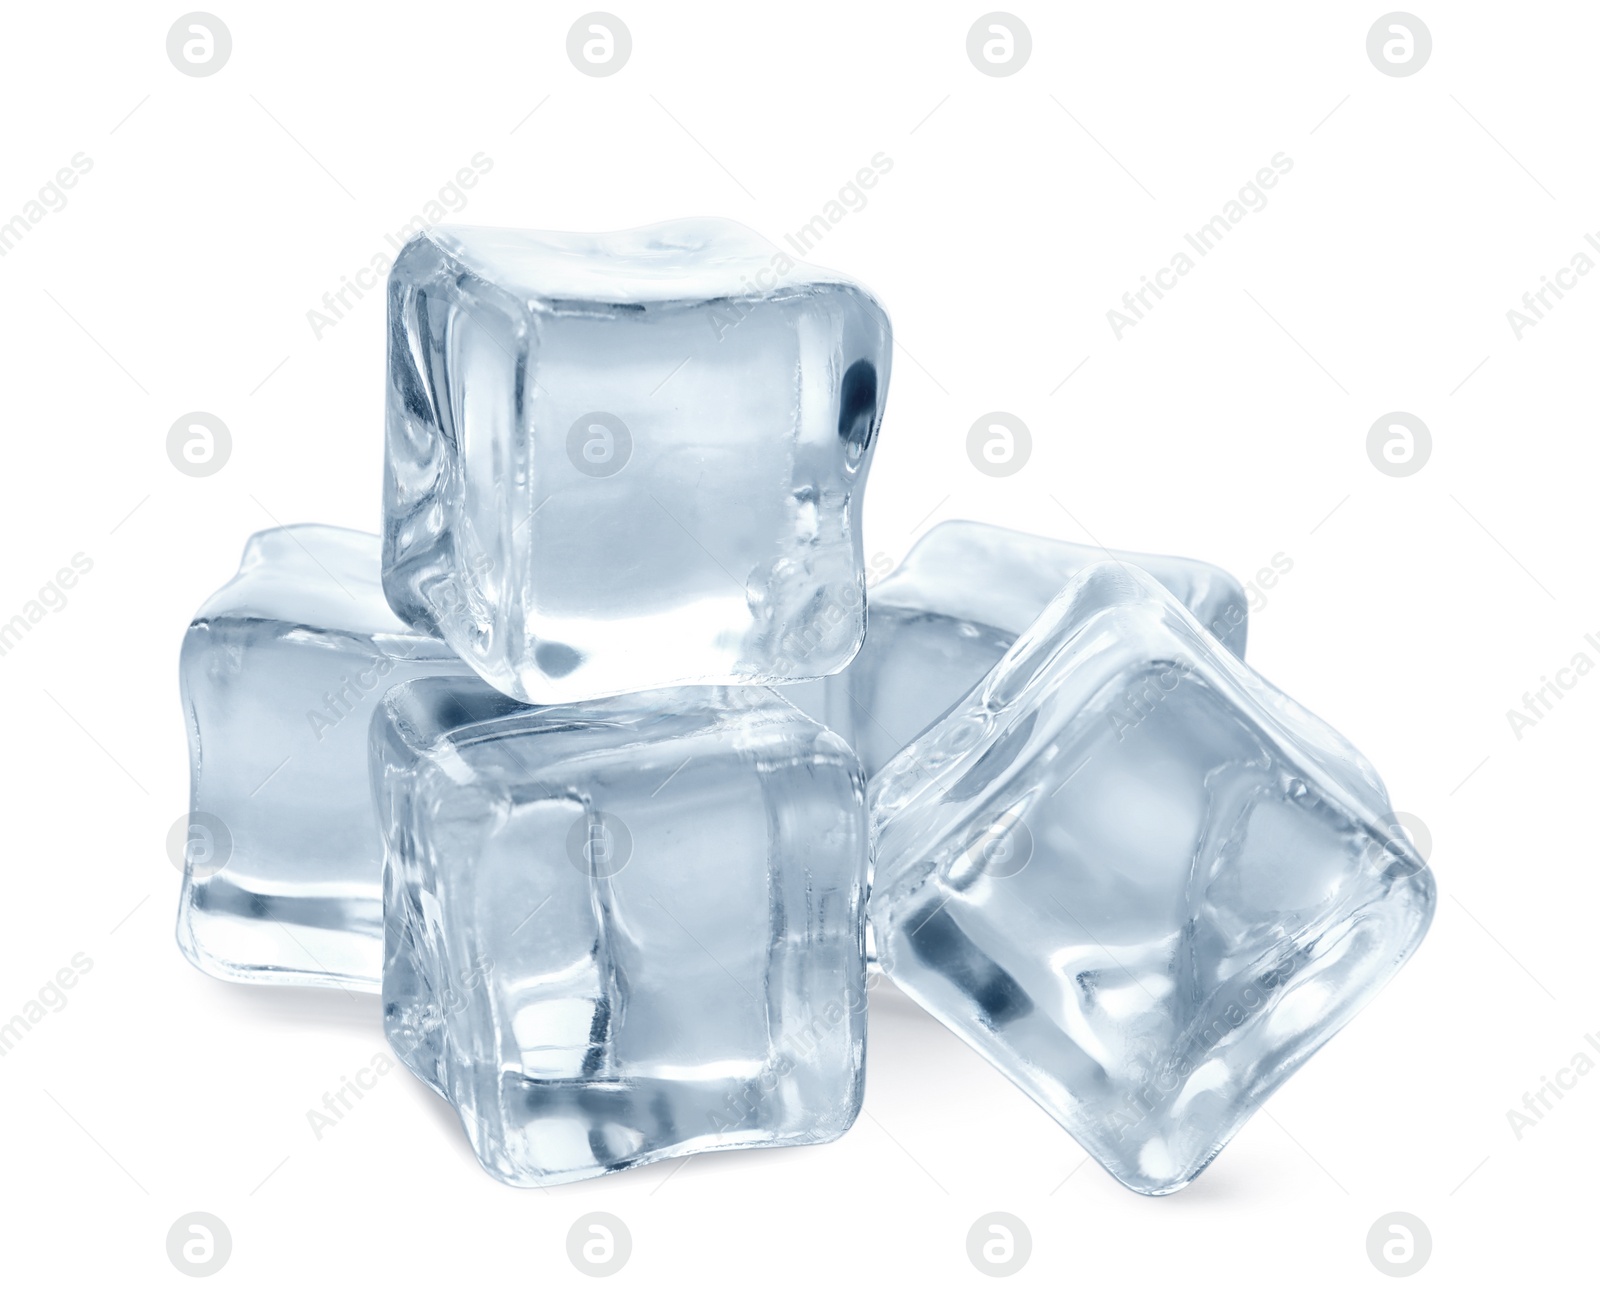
(1229, 424)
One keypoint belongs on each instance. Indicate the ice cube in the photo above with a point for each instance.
(280, 672)
(955, 604)
(622, 930)
(629, 460)
(1137, 879)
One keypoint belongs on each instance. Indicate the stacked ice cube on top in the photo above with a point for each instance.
(624, 461)
(616, 464)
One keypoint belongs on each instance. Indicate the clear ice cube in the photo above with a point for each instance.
(280, 672)
(1138, 879)
(630, 460)
(622, 930)
(955, 604)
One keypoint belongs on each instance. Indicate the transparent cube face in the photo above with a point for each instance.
(911, 668)
(280, 672)
(1138, 880)
(659, 437)
(624, 930)
(953, 607)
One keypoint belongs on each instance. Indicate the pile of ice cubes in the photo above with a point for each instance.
(573, 763)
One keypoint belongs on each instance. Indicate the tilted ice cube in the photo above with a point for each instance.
(622, 930)
(1137, 879)
(629, 460)
(955, 604)
(280, 671)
